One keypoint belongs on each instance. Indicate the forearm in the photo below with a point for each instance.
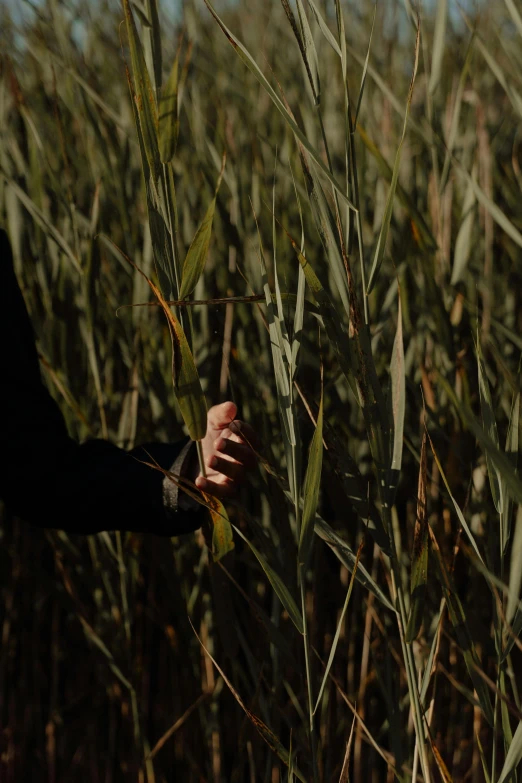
(50, 479)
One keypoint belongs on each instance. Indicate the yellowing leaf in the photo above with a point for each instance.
(222, 537)
(187, 385)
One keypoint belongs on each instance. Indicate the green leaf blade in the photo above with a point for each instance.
(145, 99)
(168, 115)
(197, 253)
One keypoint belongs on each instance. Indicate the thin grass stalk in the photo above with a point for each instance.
(306, 644)
(123, 587)
(201, 459)
(354, 192)
(402, 619)
(415, 765)
(302, 588)
(351, 163)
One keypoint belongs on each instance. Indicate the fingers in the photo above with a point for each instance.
(229, 448)
(226, 467)
(240, 431)
(238, 451)
(220, 416)
(221, 490)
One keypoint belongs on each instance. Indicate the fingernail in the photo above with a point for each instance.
(221, 444)
(234, 427)
(212, 462)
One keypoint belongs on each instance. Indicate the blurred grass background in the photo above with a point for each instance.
(98, 660)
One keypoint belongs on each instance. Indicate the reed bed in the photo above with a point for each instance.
(331, 195)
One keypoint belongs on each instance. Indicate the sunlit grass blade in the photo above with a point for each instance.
(45, 224)
(398, 402)
(383, 233)
(515, 14)
(309, 52)
(365, 69)
(324, 27)
(152, 35)
(494, 210)
(439, 38)
(464, 239)
(496, 68)
(280, 360)
(339, 626)
(347, 556)
(513, 757)
(254, 68)
(512, 449)
(306, 45)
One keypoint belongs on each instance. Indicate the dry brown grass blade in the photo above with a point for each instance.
(266, 733)
(178, 724)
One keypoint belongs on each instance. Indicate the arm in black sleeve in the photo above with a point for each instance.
(48, 478)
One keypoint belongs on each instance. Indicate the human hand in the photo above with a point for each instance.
(228, 452)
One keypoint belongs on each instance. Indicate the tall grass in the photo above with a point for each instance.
(350, 275)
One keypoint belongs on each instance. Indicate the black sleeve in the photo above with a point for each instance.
(48, 478)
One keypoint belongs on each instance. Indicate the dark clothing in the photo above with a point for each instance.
(47, 477)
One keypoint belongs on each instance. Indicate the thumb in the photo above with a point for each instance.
(220, 416)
